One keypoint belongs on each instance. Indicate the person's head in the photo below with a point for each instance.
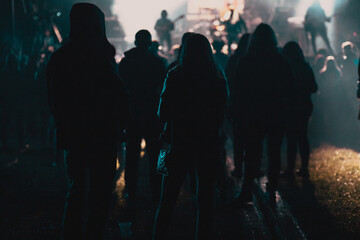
(263, 40)
(293, 52)
(196, 53)
(154, 48)
(143, 39)
(347, 48)
(218, 45)
(185, 36)
(330, 65)
(87, 23)
(164, 14)
(87, 28)
(243, 44)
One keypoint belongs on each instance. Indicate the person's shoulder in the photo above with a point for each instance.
(130, 53)
(60, 56)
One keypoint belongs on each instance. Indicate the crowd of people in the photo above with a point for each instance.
(25, 115)
(262, 91)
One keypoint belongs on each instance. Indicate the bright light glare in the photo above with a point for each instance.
(142, 14)
(327, 5)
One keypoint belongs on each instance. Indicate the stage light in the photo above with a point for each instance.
(327, 5)
(142, 14)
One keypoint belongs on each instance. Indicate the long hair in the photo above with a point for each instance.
(243, 44)
(293, 53)
(330, 65)
(196, 56)
(263, 40)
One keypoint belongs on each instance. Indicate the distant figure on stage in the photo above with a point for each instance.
(89, 105)
(163, 28)
(315, 19)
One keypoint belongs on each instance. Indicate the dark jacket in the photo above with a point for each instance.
(87, 98)
(263, 90)
(305, 85)
(195, 105)
(143, 75)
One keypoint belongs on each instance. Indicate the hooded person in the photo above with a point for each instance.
(89, 105)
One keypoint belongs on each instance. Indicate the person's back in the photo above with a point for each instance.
(305, 83)
(300, 111)
(89, 105)
(192, 103)
(263, 87)
(84, 95)
(197, 107)
(143, 75)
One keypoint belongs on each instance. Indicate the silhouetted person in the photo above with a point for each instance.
(154, 48)
(184, 37)
(220, 57)
(264, 86)
(349, 69)
(238, 125)
(301, 109)
(163, 28)
(143, 75)
(332, 101)
(89, 104)
(315, 19)
(193, 101)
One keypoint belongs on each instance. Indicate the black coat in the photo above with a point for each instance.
(195, 105)
(88, 99)
(262, 92)
(143, 75)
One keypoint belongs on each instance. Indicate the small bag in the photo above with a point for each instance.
(165, 159)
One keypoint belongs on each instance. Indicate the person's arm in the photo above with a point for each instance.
(166, 102)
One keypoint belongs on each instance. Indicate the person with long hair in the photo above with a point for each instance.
(264, 86)
(301, 110)
(89, 104)
(193, 101)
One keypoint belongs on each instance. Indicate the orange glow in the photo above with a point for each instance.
(117, 163)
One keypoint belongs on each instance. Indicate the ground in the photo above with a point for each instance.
(33, 195)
